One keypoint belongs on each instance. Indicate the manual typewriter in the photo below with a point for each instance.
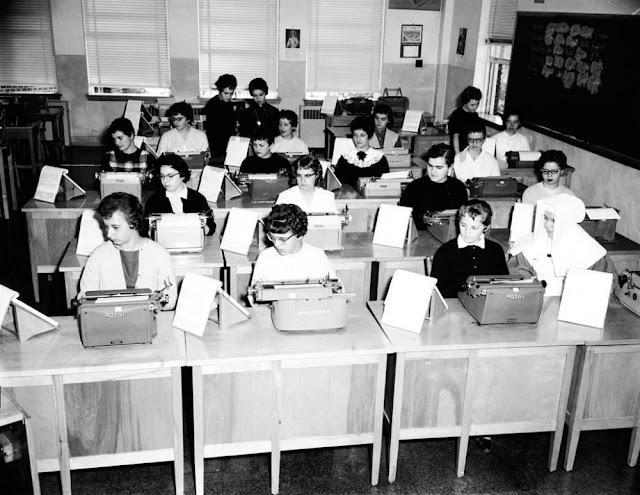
(300, 306)
(126, 182)
(183, 233)
(492, 187)
(324, 230)
(503, 298)
(628, 290)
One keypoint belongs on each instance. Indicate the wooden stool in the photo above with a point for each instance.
(11, 412)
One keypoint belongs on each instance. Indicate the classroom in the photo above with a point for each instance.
(258, 409)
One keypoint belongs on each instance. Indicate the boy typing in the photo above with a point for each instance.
(264, 161)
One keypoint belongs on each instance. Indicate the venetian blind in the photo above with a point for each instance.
(27, 58)
(344, 49)
(127, 46)
(502, 21)
(239, 38)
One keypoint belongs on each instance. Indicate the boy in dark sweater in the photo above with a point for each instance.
(470, 253)
(263, 162)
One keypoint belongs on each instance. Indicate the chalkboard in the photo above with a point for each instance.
(577, 77)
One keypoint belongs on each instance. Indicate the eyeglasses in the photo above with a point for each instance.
(304, 176)
(177, 119)
(168, 176)
(275, 240)
(475, 141)
(544, 171)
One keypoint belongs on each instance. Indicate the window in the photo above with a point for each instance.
(344, 49)
(27, 59)
(238, 37)
(500, 17)
(127, 47)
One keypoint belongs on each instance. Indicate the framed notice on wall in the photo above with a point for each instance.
(411, 41)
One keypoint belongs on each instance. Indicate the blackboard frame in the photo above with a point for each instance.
(605, 122)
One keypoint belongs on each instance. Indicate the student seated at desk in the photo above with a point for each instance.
(287, 141)
(362, 160)
(263, 161)
(470, 253)
(383, 136)
(510, 139)
(549, 168)
(173, 173)
(436, 191)
(127, 157)
(128, 260)
(289, 258)
(182, 138)
(557, 244)
(259, 114)
(221, 121)
(464, 117)
(473, 161)
(305, 174)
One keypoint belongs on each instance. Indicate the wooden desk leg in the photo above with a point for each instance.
(576, 414)
(554, 448)
(12, 181)
(396, 416)
(3, 188)
(378, 419)
(233, 282)
(467, 406)
(32, 257)
(33, 463)
(634, 448)
(276, 404)
(198, 429)
(63, 442)
(178, 442)
(32, 152)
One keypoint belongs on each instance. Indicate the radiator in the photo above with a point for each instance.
(311, 126)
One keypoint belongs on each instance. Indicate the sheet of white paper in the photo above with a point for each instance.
(489, 145)
(238, 233)
(197, 293)
(585, 297)
(340, 147)
(529, 156)
(602, 214)
(91, 234)
(402, 174)
(132, 112)
(407, 301)
(412, 120)
(329, 105)
(237, 150)
(395, 151)
(211, 183)
(392, 225)
(49, 183)
(6, 296)
(522, 220)
(139, 141)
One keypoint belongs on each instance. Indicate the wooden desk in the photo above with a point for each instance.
(605, 391)
(99, 407)
(459, 379)
(209, 262)
(257, 390)
(56, 117)
(50, 228)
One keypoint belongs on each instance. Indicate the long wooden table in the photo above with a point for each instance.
(257, 390)
(459, 379)
(208, 262)
(99, 407)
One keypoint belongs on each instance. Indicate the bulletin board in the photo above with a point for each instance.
(577, 78)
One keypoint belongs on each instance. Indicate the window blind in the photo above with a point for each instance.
(27, 58)
(127, 46)
(502, 21)
(239, 38)
(344, 49)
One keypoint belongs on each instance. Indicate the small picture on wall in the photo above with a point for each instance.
(292, 38)
(462, 41)
(411, 41)
(415, 4)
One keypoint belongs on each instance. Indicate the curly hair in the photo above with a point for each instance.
(364, 123)
(555, 156)
(438, 150)
(476, 208)
(291, 116)
(123, 125)
(306, 162)
(226, 81)
(176, 162)
(284, 218)
(182, 108)
(384, 109)
(128, 205)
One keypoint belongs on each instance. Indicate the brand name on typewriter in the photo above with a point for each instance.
(314, 312)
(115, 314)
(515, 296)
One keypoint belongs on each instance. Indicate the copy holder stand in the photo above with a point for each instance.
(229, 311)
(24, 322)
